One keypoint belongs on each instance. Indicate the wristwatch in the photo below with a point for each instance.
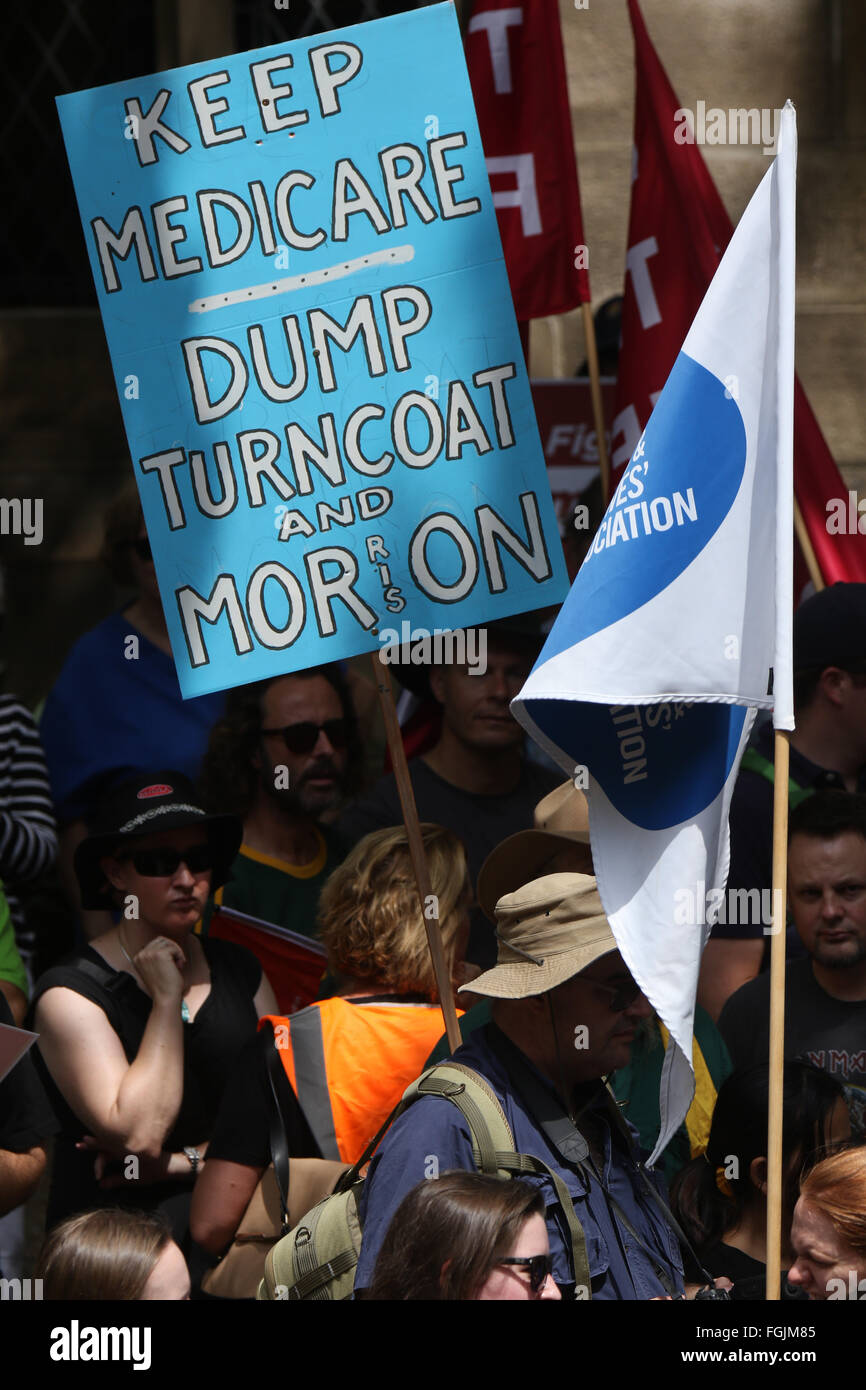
(194, 1159)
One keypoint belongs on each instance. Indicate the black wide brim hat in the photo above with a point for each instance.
(141, 806)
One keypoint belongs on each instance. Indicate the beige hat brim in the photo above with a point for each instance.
(520, 979)
(522, 857)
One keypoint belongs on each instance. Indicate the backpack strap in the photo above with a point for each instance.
(493, 1144)
(276, 1128)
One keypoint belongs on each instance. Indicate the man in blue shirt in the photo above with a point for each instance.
(565, 1011)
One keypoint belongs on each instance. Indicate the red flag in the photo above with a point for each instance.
(678, 230)
(517, 69)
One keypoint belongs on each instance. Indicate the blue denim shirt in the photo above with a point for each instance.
(432, 1137)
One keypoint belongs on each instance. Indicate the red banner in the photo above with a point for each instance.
(517, 70)
(678, 231)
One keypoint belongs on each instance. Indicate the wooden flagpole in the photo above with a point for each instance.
(597, 406)
(807, 548)
(777, 1015)
(416, 849)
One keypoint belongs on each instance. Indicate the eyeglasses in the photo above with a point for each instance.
(302, 738)
(164, 861)
(539, 1266)
(142, 548)
(622, 995)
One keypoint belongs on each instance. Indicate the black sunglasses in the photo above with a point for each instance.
(142, 548)
(164, 861)
(539, 1266)
(622, 995)
(302, 738)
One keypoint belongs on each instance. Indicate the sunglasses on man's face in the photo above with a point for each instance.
(302, 738)
(622, 995)
(164, 861)
(539, 1266)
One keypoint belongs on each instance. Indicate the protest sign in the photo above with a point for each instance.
(302, 286)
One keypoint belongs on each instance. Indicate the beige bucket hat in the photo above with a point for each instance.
(549, 930)
(561, 823)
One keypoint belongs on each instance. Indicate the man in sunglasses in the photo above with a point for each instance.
(565, 1011)
(282, 758)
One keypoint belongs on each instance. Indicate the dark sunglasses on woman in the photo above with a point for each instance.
(539, 1267)
(164, 861)
(302, 738)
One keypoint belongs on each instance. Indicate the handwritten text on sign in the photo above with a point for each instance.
(302, 285)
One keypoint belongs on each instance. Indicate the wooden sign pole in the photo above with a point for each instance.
(777, 1017)
(429, 905)
(597, 406)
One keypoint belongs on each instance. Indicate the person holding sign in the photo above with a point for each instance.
(139, 1029)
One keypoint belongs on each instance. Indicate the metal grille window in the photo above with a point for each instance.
(261, 23)
(46, 50)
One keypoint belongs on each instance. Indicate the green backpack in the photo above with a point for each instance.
(317, 1260)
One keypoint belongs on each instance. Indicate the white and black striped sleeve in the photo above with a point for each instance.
(28, 836)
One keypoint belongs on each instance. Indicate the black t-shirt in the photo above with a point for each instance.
(481, 822)
(830, 1033)
(748, 1275)
(241, 1133)
(26, 1119)
(224, 1023)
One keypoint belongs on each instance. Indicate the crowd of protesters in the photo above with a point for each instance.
(181, 1119)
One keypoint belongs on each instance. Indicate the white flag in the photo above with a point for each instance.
(678, 625)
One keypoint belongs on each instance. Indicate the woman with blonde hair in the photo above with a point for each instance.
(112, 1254)
(345, 1061)
(828, 1234)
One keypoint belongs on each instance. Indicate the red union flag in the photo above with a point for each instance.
(678, 230)
(517, 70)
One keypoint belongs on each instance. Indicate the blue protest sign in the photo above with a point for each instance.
(302, 286)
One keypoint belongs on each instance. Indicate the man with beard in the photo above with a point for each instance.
(282, 757)
(825, 995)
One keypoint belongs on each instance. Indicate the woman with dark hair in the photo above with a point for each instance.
(466, 1236)
(720, 1198)
(138, 1030)
(828, 1235)
(112, 1254)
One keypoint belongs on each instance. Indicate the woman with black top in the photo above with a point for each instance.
(138, 1030)
(720, 1198)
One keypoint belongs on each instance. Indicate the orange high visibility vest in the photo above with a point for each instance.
(349, 1064)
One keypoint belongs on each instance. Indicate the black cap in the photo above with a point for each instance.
(149, 802)
(830, 630)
